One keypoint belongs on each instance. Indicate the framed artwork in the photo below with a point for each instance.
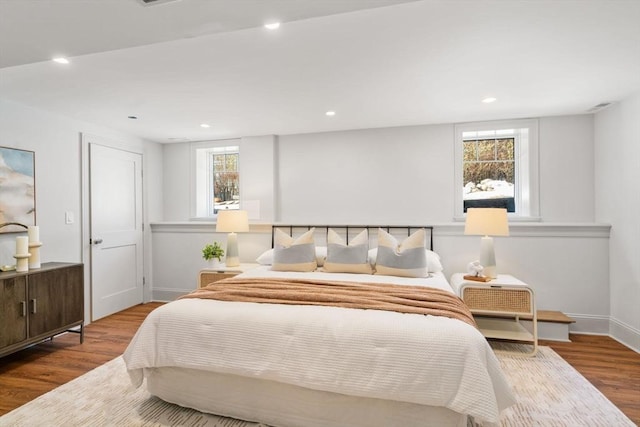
(17, 188)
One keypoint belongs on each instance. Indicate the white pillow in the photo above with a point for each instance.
(266, 258)
(351, 258)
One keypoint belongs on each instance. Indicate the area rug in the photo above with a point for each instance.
(550, 392)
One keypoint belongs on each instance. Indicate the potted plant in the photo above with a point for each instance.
(213, 253)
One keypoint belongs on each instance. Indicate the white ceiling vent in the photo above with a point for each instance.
(155, 2)
(598, 107)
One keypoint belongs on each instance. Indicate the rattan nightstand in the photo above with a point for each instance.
(210, 275)
(497, 306)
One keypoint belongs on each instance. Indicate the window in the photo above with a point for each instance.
(224, 182)
(488, 170)
(217, 177)
(496, 166)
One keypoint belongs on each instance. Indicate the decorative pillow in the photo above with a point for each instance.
(406, 259)
(351, 258)
(266, 258)
(291, 254)
(434, 265)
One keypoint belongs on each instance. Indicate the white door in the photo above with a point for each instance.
(115, 229)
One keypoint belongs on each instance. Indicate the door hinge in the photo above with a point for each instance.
(144, 280)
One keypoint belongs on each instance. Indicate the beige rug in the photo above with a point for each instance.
(550, 393)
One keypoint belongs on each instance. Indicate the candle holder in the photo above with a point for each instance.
(22, 262)
(34, 258)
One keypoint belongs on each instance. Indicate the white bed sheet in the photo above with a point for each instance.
(435, 280)
(284, 405)
(425, 360)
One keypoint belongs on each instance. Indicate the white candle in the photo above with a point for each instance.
(34, 234)
(22, 245)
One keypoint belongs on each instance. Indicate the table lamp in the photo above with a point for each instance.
(487, 222)
(232, 222)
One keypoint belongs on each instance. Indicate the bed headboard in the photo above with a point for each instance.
(348, 231)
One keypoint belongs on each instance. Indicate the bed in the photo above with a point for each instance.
(289, 363)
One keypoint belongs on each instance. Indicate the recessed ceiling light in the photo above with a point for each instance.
(204, 125)
(61, 60)
(489, 100)
(330, 113)
(272, 26)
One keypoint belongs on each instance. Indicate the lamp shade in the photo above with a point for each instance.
(486, 222)
(232, 221)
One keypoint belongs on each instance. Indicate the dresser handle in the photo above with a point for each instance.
(23, 308)
(33, 306)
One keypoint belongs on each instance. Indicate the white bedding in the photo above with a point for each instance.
(435, 280)
(426, 360)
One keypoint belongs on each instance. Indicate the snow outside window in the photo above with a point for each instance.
(497, 166)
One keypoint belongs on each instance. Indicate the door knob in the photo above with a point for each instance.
(97, 241)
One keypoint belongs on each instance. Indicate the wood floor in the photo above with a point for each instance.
(611, 367)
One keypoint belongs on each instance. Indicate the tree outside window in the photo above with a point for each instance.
(496, 165)
(225, 179)
(489, 172)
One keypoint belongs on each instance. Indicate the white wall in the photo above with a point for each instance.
(617, 171)
(57, 175)
(405, 175)
(56, 141)
(566, 169)
(374, 176)
(257, 177)
(177, 243)
(402, 174)
(258, 165)
(176, 182)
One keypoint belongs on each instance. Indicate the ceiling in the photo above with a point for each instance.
(376, 63)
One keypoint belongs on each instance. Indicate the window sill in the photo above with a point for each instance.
(206, 225)
(512, 218)
(536, 229)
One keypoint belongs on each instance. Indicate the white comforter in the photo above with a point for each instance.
(426, 360)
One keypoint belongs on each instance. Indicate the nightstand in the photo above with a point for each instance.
(497, 306)
(210, 275)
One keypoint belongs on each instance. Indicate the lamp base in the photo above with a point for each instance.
(232, 258)
(488, 257)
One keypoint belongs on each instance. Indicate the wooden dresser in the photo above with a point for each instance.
(39, 304)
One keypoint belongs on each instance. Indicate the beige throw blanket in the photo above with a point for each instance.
(373, 296)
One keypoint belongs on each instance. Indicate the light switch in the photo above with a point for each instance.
(68, 217)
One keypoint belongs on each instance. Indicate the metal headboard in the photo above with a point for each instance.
(346, 228)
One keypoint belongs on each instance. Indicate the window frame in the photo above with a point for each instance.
(526, 155)
(202, 175)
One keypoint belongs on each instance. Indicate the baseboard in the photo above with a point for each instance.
(589, 324)
(625, 334)
(167, 295)
(549, 331)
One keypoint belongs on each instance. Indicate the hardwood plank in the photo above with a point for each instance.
(610, 366)
(36, 370)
